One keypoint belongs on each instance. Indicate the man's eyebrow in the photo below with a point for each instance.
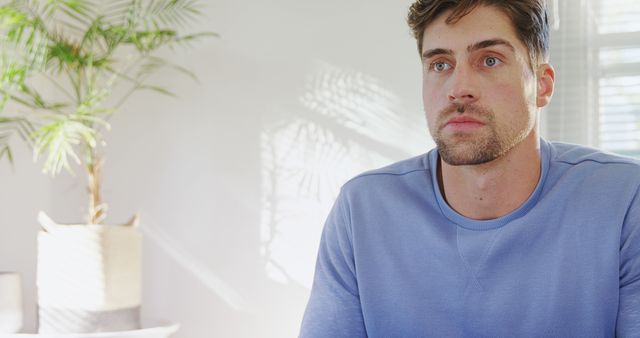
(489, 43)
(436, 51)
(474, 47)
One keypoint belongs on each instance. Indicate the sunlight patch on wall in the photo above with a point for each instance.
(197, 268)
(345, 122)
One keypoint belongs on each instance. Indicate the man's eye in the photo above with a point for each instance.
(440, 66)
(491, 61)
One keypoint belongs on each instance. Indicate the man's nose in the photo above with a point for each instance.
(463, 88)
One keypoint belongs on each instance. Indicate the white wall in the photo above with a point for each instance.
(23, 192)
(234, 178)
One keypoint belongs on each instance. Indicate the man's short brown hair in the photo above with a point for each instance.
(529, 18)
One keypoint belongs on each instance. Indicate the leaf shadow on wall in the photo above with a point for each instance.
(340, 123)
(348, 123)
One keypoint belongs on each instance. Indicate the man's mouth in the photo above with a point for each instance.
(463, 123)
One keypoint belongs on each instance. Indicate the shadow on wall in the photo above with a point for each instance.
(342, 123)
(348, 123)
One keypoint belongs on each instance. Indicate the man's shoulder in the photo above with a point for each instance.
(594, 167)
(397, 171)
(574, 154)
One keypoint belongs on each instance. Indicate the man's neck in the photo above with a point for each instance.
(496, 188)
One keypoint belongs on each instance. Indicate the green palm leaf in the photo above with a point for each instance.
(8, 127)
(85, 51)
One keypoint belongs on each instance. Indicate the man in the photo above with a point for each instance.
(496, 232)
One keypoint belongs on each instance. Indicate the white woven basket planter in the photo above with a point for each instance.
(88, 277)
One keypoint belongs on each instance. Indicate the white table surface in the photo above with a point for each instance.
(156, 329)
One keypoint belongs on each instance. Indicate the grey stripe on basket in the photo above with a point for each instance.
(56, 320)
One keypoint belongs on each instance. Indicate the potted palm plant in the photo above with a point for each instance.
(65, 67)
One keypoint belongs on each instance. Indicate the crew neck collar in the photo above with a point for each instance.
(473, 224)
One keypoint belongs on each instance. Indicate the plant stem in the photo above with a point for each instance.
(96, 207)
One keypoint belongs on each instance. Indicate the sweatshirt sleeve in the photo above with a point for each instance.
(628, 324)
(334, 305)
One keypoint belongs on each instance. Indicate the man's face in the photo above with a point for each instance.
(479, 92)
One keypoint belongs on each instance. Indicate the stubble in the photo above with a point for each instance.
(471, 148)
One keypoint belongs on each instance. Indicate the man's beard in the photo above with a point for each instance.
(478, 147)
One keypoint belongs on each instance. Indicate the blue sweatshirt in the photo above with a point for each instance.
(396, 261)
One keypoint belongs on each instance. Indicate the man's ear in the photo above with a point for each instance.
(545, 76)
